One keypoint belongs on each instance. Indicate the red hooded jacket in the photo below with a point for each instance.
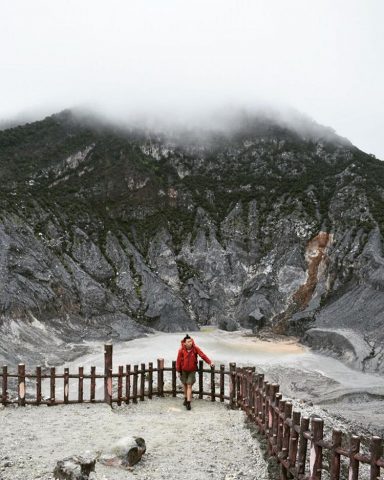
(187, 359)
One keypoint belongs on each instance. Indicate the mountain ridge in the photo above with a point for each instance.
(114, 231)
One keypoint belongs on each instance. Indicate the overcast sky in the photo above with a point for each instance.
(183, 57)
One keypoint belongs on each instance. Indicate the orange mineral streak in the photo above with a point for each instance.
(316, 258)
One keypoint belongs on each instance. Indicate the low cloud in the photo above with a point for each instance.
(180, 61)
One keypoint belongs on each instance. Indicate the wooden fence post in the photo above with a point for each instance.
(4, 388)
(66, 385)
(259, 398)
(273, 401)
(248, 391)
(160, 377)
(142, 382)
(316, 457)
(120, 384)
(353, 473)
(277, 403)
(335, 456)
(81, 385)
(255, 382)
(127, 383)
(294, 439)
(213, 398)
(201, 379)
(243, 388)
(239, 397)
(173, 378)
(304, 426)
(52, 386)
(286, 428)
(280, 423)
(265, 415)
(150, 380)
(109, 387)
(376, 450)
(38, 385)
(92, 394)
(253, 388)
(108, 352)
(134, 383)
(21, 384)
(222, 369)
(232, 385)
(285, 435)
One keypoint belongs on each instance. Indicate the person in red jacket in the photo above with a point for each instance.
(186, 365)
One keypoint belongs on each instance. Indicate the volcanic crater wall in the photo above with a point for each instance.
(106, 234)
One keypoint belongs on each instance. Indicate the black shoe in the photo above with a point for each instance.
(188, 405)
(185, 402)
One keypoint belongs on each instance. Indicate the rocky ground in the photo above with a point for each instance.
(209, 442)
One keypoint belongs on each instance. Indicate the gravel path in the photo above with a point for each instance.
(208, 442)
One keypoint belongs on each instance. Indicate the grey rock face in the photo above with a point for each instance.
(48, 300)
(162, 308)
(162, 259)
(71, 299)
(123, 279)
(358, 309)
(342, 343)
(89, 256)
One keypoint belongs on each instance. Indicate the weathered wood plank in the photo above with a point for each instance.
(92, 394)
(21, 384)
(38, 385)
(81, 385)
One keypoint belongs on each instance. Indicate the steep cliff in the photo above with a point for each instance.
(109, 232)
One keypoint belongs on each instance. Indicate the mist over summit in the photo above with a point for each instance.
(184, 124)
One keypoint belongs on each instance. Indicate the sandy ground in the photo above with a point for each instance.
(278, 345)
(208, 442)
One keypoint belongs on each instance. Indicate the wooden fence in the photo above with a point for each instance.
(297, 442)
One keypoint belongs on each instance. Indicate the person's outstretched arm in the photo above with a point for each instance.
(203, 356)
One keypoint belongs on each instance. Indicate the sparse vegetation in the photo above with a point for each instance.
(121, 188)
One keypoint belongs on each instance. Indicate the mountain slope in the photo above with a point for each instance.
(107, 231)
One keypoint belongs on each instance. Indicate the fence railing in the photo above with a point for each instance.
(130, 383)
(297, 442)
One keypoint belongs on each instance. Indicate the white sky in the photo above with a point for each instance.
(182, 57)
